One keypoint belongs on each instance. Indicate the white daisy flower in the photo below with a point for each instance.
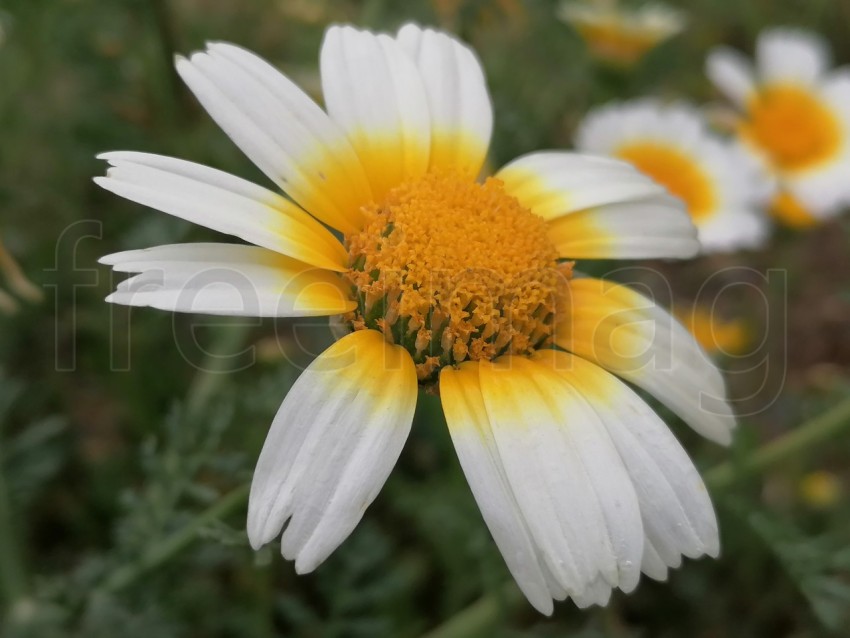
(721, 186)
(445, 283)
(794, 117)
(621, 35)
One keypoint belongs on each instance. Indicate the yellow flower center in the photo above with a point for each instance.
(454, 270)
(793, 126)
(676, 171)
(617, 42)
(791, 212)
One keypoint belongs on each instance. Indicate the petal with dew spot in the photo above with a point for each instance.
(456, 91)
(731, 73)
(677, 514)
(552, 184)
(374, 91)
(587, 409)
(649, 228)
(565, 473)
(469, 426)
(334, 441)
(227, 279)
(224, 203)
(281, 130)
(629, 335)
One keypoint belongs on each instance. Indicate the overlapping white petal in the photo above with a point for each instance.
(222, 202)
(226, 279)
(552, 184)
(677, 515)
(469, 425)
(572, 489)
(628, 334)
(374, 91)
(456, 90)
(281, 130)
(331, 447)
(579, 481)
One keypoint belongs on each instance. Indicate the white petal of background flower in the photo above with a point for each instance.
(732, 73)
(784, 54)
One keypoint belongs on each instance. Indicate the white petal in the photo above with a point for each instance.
(628, 334)
(373, 90)
(731, 73)
(224, 203)
(734, 230)
(552, 184)
(331, 447)
(569, 483)
(651, 564)
(791, 55)
(461, 112)
(227, 279)
(281, 130)
(824, 192)
(677, 514)
(652, 227)
(473, 440)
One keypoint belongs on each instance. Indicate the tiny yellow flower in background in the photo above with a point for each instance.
(722, 188)
(448, 284)
(17, 282)
(716, 334)
(794, 117)
(821, 489)
(621, 35)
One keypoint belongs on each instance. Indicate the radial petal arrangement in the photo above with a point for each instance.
(439, 281)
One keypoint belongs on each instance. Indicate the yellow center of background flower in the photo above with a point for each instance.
(791, 212)
(455, 270)
(676, 171)
(795, 128)
(617, 42)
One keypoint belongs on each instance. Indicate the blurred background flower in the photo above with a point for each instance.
(722, 188)
(794, 117)
(620, 34)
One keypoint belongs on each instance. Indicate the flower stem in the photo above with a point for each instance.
(13, 582)
(18, 281)
(485, 614)
(812, 433)
(481, 617)
(175, 543)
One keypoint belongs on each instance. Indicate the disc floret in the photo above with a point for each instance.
(454, 270)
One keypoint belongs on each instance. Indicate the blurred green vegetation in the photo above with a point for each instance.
(119, 429)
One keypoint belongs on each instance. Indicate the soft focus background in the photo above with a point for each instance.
(126, 439)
